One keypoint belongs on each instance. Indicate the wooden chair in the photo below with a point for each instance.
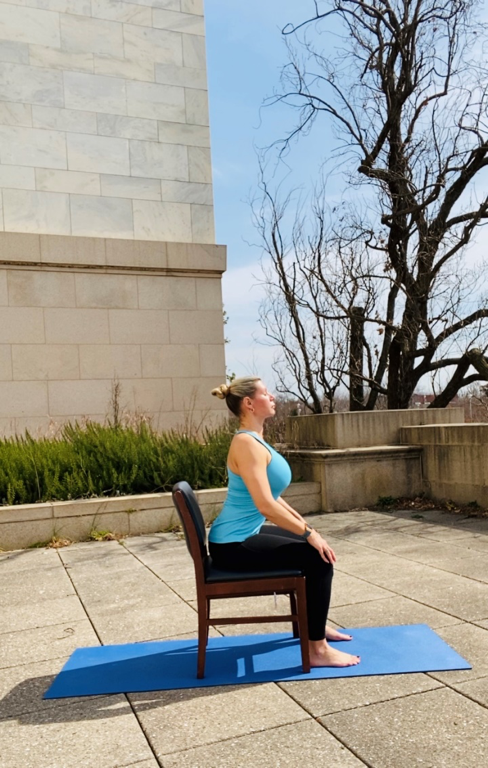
(213, 584)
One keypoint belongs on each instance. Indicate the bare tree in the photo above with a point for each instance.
(406, 91)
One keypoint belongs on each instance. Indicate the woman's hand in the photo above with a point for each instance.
(320, 544)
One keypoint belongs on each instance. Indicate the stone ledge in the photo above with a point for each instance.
(110, 253)
(22, 526)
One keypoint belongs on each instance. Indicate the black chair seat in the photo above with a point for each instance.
(214, 575)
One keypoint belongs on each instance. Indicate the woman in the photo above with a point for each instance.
(239, 540)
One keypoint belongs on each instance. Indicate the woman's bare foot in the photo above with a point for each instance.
(335, 635)
(322, 655)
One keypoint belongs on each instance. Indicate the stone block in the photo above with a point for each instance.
(130, 187)
(100, 361)
(101, 216)
(23, 398)
(197, 256)
(106, 291)
(191, 24)
(134, 253)
(186, 192)
(194, 52)
(19, 247)
(196, 327)
(101, 154)
(189, 394)
(158, 161)
(5, 363)
(166, 292)
(40, 289)
(202, 224)
(181, 133)
(152, 395)
(363, 429)
(74, 182)
(27, 211)
(212, 360)
(143, 69)
(15, 114)
(79, 33)
(157, 45)
(151, 520)
(16, 53)
(200, 165)
(186, 77)
(76, 326)
(196, 107)
(94, 92)
(144, 326)
(192, 6)
(17, 177)
(155, 101)
(31, 85)
(29, 25)
(128, 127)
(69, 120)
(21, 325)
(3, 288)
(163, 361)
(162, 221)
(72, 250)
(115, 10)
(22, 535)
(36, 362)
(77, 7)
(23, 513)
(53, 58)
(72, 398)
(209, 293)
(31, 146)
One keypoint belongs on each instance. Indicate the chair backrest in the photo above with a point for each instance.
(193, 524)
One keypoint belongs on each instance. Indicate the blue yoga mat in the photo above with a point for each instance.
(246, 659)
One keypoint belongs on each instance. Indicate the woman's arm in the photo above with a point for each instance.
(250, 458)
(290, 509)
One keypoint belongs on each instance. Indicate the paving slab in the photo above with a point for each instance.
(472, 643)
(289, 746)
(42, 614)
(22, 688)
(392, 610)
(143, 623)
(342, 694)
(347, 590)
(34, 585)
(27, 559)
(185, 719)
(435, 729)
(110, 590)
(184, 588)
(99, 732)
(52, 642)
(477, 690)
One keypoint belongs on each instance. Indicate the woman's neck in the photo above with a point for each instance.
(252, 424)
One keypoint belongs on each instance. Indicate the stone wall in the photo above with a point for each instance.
(104, 119)
(108, 268)
(454, 460)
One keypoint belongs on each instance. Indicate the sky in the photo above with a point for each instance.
(245, 53)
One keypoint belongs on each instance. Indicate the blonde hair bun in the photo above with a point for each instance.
(221, 392)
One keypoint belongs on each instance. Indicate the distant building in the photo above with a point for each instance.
(108, 263)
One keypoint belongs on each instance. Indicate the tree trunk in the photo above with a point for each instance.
(356, 359)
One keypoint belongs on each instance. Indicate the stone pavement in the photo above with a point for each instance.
(393, 568)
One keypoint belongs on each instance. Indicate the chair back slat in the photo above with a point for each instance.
(191, 518)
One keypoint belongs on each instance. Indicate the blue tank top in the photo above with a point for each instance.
(240, 518)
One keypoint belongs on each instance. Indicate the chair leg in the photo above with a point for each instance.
(202, 644)
(293, 609)
(208, 617)
(303, 624)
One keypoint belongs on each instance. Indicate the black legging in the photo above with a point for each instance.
(273, 548)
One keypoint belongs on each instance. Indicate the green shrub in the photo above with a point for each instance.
(107, 460)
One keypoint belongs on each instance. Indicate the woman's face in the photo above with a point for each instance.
(263, 402)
